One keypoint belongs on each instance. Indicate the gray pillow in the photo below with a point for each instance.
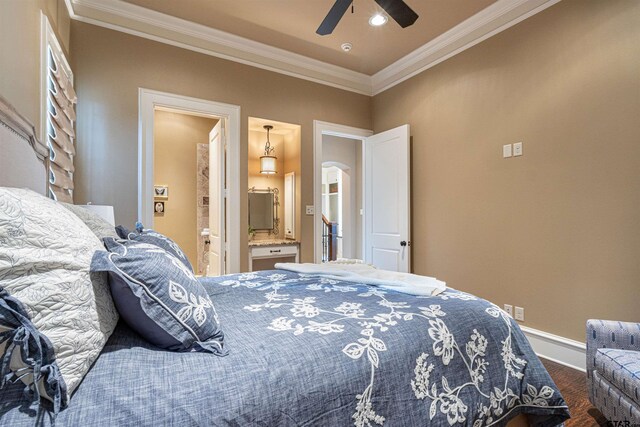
(95, 222)
(56, 315)
(159, 297)
(150, 236)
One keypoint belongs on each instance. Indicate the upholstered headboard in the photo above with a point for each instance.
(23, 157)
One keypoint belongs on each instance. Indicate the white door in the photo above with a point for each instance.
(387, 200)
(290, 205)
(217, 200)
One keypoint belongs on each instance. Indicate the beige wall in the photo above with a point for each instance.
(175, 139)
(110, 67)
(20, 37)
(556, 231)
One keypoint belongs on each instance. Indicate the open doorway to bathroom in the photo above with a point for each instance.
(181, 182)
(224, 180)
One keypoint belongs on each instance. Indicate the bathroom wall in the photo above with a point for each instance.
(176, 139)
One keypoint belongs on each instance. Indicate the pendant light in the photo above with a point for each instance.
(268, 162)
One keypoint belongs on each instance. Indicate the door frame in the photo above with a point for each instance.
(321, 128)
(148, 101)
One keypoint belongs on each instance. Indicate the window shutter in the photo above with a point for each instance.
(61, 115)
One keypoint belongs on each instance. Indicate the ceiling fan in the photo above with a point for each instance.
(397, 9)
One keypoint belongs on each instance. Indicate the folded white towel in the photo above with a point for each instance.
(407, 283)
(347, 261)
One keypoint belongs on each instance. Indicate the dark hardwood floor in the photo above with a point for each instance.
(573, 386)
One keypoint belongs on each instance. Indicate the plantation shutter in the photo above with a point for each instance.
(61, 115)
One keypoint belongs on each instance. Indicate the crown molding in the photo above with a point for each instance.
(488, 22)
(131, 19)
(139, 21)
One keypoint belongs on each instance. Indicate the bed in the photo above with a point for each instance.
(305, 350)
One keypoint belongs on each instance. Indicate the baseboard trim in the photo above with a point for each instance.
(564, 351)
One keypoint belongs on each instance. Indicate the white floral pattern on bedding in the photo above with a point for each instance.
(444, 391)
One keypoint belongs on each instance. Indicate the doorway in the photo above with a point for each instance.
(338, 191)
(181, 170)
(341, 198)
(274, 176)
(224, 188)
(383, 180)
(333, 201)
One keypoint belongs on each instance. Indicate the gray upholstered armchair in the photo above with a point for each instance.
(613, 369)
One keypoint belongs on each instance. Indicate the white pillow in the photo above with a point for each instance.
(45, 254)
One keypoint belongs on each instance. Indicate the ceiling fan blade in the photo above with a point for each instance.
(333, 17)
(399, 11)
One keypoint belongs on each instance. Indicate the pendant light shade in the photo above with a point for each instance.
(268, 162)
(268, 165)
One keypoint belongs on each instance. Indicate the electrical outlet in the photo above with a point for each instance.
(520, 314)
(310, 210)
(508, 308)
(517, 149)
(506, 151)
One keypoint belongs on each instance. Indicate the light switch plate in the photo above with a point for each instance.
(520, 314)
(517, 149)
(506, 151)
(309, 210)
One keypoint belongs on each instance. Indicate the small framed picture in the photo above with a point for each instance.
(158, 208)
(161, 191)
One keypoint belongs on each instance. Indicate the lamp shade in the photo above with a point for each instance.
(268, 165)
(105, 212)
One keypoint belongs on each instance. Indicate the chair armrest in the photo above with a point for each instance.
(610, 334)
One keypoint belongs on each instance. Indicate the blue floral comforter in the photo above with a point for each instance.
(308, 351)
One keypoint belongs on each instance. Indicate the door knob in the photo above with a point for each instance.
(403, 243)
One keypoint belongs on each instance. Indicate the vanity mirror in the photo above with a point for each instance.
(263, 209)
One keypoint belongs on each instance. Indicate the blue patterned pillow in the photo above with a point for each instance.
(159, 297)
(155, 238)
(26, 353)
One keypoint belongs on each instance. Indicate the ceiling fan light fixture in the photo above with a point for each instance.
(398, 10)
(378, 20)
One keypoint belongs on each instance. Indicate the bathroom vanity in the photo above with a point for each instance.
(265, 253)
(269, 247)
